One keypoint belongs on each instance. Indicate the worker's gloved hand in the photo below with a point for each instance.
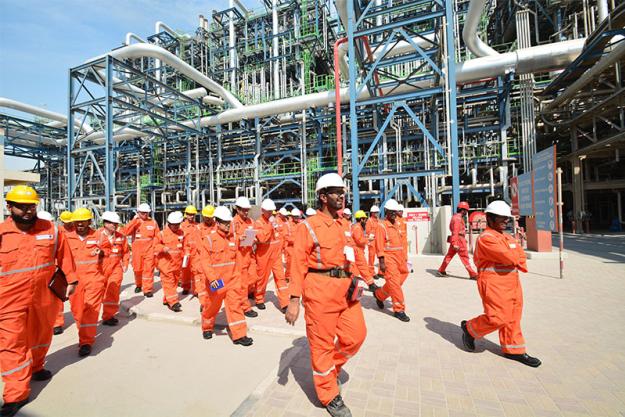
(70, 289)
(292, 311)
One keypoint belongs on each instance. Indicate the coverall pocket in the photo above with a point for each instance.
(44, 248)
(8, 254)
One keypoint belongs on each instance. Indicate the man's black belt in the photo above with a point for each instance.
(333, 272)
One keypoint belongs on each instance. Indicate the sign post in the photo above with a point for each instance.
(560, 204)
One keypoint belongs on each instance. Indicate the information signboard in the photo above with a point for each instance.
(544, 163)
(526, 196)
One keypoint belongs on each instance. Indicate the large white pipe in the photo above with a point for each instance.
(604, 63)
(130, 36)
(469, 31)
(37, 111)
(162, 27)
(274, 52)
(140, 50)
(602, 10)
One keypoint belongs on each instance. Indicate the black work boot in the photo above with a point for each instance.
(110, 322)
(185, 292)
(244, 341)
(57, 330)
(401, 315)
(149, 295)
(524, 358)
(207, 334)
(85, 350)
(261, 306)
(11, 409)
(467, 340)
(337, 408)
(41, 375)
(441, 274)
(379, 302)
(176, 308)
(373, 287)
(137, 290)
(250, 313)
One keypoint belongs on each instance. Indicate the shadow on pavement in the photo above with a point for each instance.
(610, 247)
(434, 271)
(369, 302)
(453, 334)
(295, 361)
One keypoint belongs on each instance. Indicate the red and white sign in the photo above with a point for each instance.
(417, 216)
(514, 195)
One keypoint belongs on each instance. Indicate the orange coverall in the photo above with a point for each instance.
(335, 327)
(87, 299)
(218, 261)
(457, 228)
(499, 257)
(390, 245)
(115, 261)
(59, 321)
(370, 230)
(143, 262)
(286, 230)
(170, 263)
(193, 246)
(27, 308)
(246, 260)
(269, 260)
(188, 273)
(360, 243)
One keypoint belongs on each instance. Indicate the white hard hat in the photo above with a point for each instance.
(222, 213)
(392, 205)
(311, 211)
(268, 205)
(243, 202)
(296, 212)
(374, 209)
(401, 207)
(144, 208)
(500, 208)
(111, 216)
(175, 217)
(283, 211)
(44, 215)
(347, 211)
(329, 180)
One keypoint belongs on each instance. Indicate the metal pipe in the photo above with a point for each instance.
(38, 111)
(602, 10)
(130, 36)
(469, 31)
(274, 52)
(162, 27)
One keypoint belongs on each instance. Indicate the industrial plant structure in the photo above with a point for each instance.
(425, 101)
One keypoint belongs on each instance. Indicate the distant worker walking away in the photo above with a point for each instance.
(143, 230)
(335, 325)
(499, 257)
(457, 242)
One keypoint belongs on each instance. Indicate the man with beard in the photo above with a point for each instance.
(30, 250)
(246, 259)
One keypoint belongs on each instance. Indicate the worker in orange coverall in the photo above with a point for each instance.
(170, 249)
(285, 227)
(499, 257)
(189, 226)
(335, 325)
(30, 250)
(88, 249)
(372, 226)
(66, 227)
(269, 257)
(114, 264)
(218, 261)
(207, 226)
(246, 259)
(393, 262)
(360, 243)
(143, 230)
(457, 242)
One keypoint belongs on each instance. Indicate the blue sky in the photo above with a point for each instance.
(41, 39)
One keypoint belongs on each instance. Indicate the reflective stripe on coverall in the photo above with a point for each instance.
(143, 261)
(370, 231)
(269, 261)
(498, 256)
(390, 245)
(27, 307)
(87, 299)
(246, 260)
(170, 263)
(457, 228)
(335, 328)
(218, 261)
(115, 261)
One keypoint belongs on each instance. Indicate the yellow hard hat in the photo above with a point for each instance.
(208, 211)
(360, 215)
(66, 217)
(81, 214)
(22, 194)
(190, 209)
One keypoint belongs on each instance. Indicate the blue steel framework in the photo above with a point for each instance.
(115, 99)
(403, 21)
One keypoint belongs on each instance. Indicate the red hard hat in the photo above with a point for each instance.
(463, 205)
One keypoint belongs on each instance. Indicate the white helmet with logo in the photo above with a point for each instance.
(111, 216)
(144, 208)
(392, 205)
(268, 205)
(329, 180)
(222, 213)
(175, 217)
(500, 208)
(243, 202)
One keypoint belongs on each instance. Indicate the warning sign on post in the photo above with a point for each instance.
(418, 216)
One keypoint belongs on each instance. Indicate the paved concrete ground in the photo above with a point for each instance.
(157, 364)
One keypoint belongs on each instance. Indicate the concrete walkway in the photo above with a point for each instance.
(156, 363)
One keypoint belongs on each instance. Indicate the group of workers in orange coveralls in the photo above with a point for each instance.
(322, 262)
